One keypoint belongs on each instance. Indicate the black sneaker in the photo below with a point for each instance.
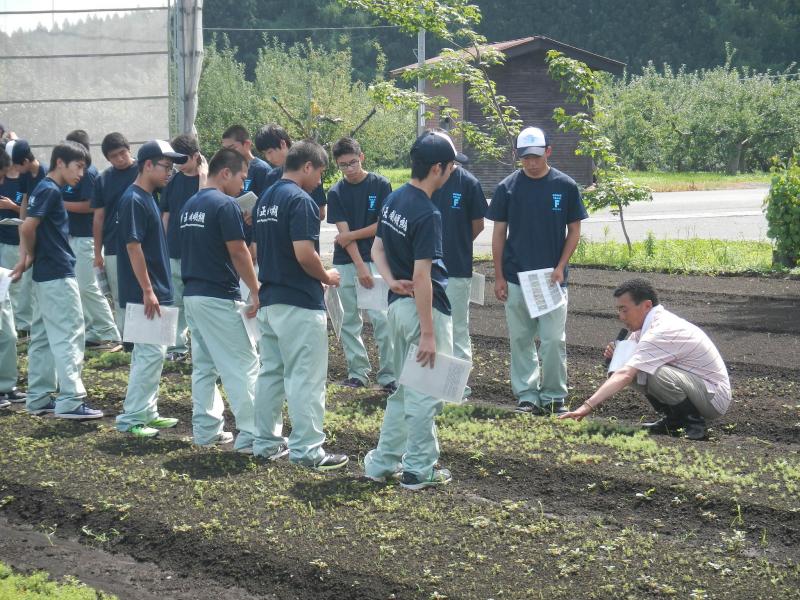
(49, 408)
(438, 477)
(331, 462)
(528, 408)
(4, 403)
(106, 346)
(390, 388)
(353, 382)
(13, 396)
(177, 357)
(554, 408)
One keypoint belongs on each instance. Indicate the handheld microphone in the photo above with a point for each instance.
(623, 333)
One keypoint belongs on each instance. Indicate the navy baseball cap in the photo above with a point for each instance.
(20, 151)
(158, 148)
(436, 147)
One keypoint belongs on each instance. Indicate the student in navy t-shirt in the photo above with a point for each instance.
(294, 335)
(145, 279)
(55, 352)
(537, 212)
(184, 183)
(408, 254)
(273, 142)
(463, 206)
(355, 202)
(214, 255)
(101, 331)
(30, 170)
(109, 187)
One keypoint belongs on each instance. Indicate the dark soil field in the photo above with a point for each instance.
(538, 508)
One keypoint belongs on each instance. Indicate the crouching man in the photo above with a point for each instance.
(675, 365)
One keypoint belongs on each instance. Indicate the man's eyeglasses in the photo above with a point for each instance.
(348, 165)
(166, 166)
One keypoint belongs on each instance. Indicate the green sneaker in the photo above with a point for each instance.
(163, 423)
(143, 431)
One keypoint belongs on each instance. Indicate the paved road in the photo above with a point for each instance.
(718, 214)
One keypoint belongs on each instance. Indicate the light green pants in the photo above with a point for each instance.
(97, 316)
(22, 299)
(458, 291)
(358, 366)
(8, 347)
(408, 435)
(113, 284)
(141, 400)
(181, 339)
(220, 347)
(55, 352)
(672, 386)
(529, 382)
(294, 367)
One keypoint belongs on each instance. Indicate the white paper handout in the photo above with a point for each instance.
(11, 221)
(541, 295)
(246, 202)
(623, 350)
(477, 289)
(446, 380)
(335, 311)
(375, 298)
(5, 282)
(250, 325)
(158, 330)
(244, 290)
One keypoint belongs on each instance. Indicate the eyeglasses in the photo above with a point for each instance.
(348, 165)
(167, 166)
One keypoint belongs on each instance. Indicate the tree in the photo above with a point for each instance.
(613, 189)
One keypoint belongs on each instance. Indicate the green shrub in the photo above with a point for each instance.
(782, 207)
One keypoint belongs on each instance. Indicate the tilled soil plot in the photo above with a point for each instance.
(537, 508)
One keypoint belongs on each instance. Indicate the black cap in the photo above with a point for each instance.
(157, 149)
(436, 147)
(20, 152)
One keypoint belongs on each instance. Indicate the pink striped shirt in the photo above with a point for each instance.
(666, 339)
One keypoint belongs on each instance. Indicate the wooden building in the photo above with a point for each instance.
(524, 80)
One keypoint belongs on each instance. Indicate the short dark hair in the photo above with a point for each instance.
(185, 143)
(639, 289)
(236, 132)
(5, 159)
(226, 159)
(69, 152)
(346, 145)
(270, 136)
(420, 170)
(80, 136)
(303, 152)
(114, 141)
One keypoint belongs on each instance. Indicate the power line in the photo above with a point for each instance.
(303, 28)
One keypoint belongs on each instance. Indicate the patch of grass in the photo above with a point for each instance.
(39, 587)
(697, 180)
(396, 177)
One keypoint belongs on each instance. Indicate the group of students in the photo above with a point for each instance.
(195, 248)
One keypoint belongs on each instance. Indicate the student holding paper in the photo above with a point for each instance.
(463, 205)
(408, 254)
(273, 142)
(675, 365)
(101, 331)
(109, 187)
(145, 277)
(537, 212)
(55, 352)
(294, 333)
(355, 203)
(184, 183)
(214, 256)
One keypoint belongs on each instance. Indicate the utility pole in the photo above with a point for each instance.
(420, 81)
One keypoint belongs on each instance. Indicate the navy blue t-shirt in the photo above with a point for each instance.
(109, 187)
(283, 215)
(461, 200)
(28, 182)
(359, 205)
(208, 220)
(179, 189)
(139, 220)
(53, 258)
(80, 224)
(10, 188)
(537, 212)
(318, 195)
(411, 229)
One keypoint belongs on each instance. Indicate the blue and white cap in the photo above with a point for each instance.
(531, 140)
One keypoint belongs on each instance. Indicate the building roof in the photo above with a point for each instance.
(518, 47)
